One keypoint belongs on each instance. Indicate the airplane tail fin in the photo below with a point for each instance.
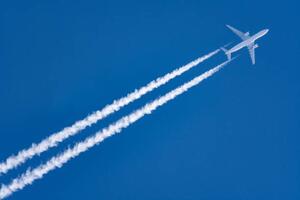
(223, 49)
(227, 53)
(226, 45)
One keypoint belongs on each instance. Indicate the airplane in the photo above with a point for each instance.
(248, 41)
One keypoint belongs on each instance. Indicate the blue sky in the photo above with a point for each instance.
(235, 136)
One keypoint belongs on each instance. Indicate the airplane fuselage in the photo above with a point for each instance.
(248, 41)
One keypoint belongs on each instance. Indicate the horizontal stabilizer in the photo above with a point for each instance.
(228, 54)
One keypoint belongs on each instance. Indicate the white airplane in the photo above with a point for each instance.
(248, 41)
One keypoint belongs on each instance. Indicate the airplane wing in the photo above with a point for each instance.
(251, 49)
(242, 35)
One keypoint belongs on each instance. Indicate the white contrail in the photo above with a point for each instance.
(53, 140)
(58, 161)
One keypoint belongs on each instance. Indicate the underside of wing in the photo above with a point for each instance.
(242, 35)
(251, 49)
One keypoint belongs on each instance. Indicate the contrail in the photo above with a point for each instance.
(54, 139)
(58, 161)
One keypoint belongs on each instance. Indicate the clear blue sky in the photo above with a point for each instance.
(236, 136)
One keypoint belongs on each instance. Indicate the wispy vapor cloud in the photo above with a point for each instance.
(58, 161)
(53, 140)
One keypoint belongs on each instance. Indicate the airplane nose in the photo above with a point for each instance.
(266, 30)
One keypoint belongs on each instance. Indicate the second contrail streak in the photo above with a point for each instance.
(58, 161)
(54, 139)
